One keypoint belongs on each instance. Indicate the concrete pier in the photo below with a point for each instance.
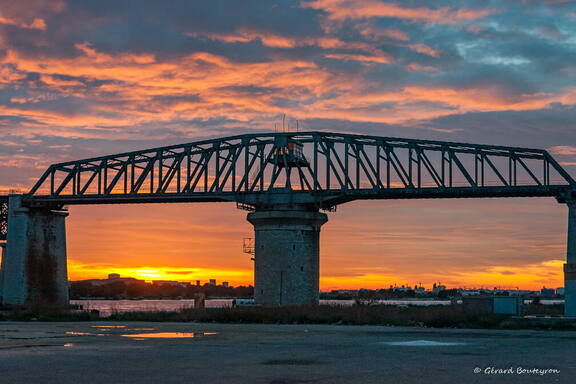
(570, 266)
(35, 273)
(3, 254)
(287, 256)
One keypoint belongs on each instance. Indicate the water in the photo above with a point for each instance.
(108, 307)
(422, 343)
(168, 335)
(387, 302)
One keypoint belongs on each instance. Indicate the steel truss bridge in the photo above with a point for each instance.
(316, 169)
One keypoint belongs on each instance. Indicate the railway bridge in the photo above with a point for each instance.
(287, 181)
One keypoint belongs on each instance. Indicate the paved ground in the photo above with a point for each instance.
(280, 354)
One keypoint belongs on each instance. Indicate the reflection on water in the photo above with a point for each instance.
(108, 326)
(109, 307)
(140, 329)
(168, 335)
(73, 333)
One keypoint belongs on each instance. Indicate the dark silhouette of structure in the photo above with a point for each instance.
(283, 179)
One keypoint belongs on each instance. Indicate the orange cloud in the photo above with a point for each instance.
(363, 58)
(563, 150)
(244, 35)
(37, 23)
(348, 9)
(359, 105)
(137, 83)
(532, 276)
(424, 49)
(419, 67)
(374, 33)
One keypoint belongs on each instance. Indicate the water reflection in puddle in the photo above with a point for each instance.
(421, 343)
(68, 345)
(74, 333)
(168, 335)
(140, 329)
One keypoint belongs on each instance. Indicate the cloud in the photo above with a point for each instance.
(347, 9)
(563, 150)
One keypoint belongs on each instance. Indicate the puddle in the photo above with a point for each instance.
(140, 329)
(73, 333)
(33, 336)
(168, 335)
(421, 343)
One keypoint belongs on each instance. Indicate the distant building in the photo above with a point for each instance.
(168, 283)
(352, 292)
(470, 292)
(112, 279)
(225, 284)
(400, 289)
(197, 283)
(519, 292)
(560, 291)
(212, 282)
(547, 292)
(438, 288)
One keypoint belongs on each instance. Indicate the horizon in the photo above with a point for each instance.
(219, 282)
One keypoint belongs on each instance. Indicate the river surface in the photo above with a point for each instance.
(108, 307)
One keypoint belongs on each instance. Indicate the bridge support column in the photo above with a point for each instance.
(570, 266)
(35, 273)
(287, 256)
(3, 246)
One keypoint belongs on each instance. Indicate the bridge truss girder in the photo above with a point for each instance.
(310, 168)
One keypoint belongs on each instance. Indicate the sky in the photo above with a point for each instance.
(84, 78)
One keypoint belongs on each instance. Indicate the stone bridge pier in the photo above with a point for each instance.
(34, 273)
(287, 255)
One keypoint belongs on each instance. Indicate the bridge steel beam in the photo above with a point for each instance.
(287, 256)
(320, 168)
(34, 261)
